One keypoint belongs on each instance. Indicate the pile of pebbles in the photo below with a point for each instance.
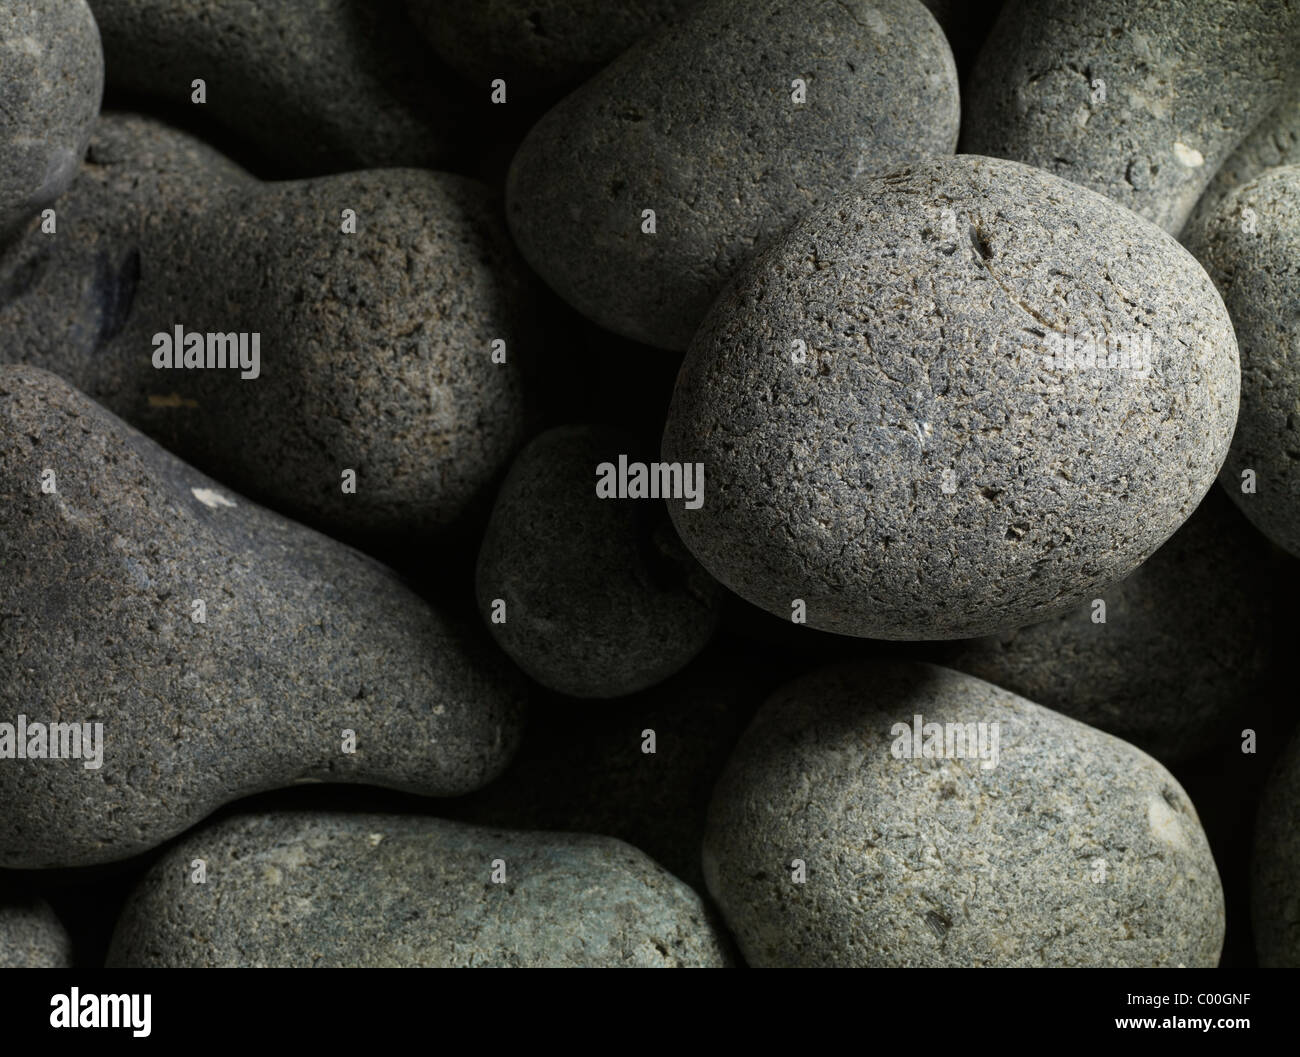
(675, 483)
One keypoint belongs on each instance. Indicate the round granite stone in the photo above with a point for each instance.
(1250, 245)
(305, 890)
(591, 595)
(837, 838)
(390, 309)
(725, 126)
(959, 399)
(1141, 102)
(51, 82)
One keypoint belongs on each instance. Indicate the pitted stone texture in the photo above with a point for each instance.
(601, 598)
(1076, 849)
(1182, 650)
(537, 46)
(926, 472)
(1250, 246)
(1275, 141)
(51, 82)
(1141, 102)
(697, 124)
(318, 890)
(314, 86)
(303, 639)
(1275, 907)
(31, 936)
(376, 347)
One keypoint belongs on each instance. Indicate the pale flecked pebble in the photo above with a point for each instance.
(51, 82)
(536, 46)
(376, 348)
(1173, 654)
(1073, 849)
(312, 86)
(224, 649)
(320, 890)
(1250, 245)
(1141, 102)
(1275, 141)
(698, 123)
(939, 464)
(31, 935)
(591, 596)
(1275, 906)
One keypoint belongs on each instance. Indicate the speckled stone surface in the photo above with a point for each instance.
(314, 86)
(1275, 141)
(697, 123)
(1183, 649)
(940, 465)
(376, 347)
(317, 890)
(31, 936)
(584, 767)
(1275, 906)
(1139, 101)
(601, 598)
(537, 46)
(303, 638)
(1076, 849)
(51, 82)
(1250, 246)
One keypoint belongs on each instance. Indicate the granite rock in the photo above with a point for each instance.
(959, 399)
(601, 599)
(316, 890)
(311, 86)
(32, 936)
(1072, 849)
(698, 124)
(221, 649)
(1250, 245)
(1142, 102)
(51, 83)
(1275, 141)
(376, 348)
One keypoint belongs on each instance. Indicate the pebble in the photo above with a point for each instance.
(52, 70)
(1140, 102)
(912, 422)
(1275, 141)
(393, 408)
(591, 596)
(313, 890)
(220, 649)
(726, 126)
(32, 936)
(310, 86)
(1073, 849)
(1173, 655)
(1250, 245)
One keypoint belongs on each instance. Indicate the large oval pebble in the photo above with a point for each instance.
(903, 815)
(953, 401)
(637, 196)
